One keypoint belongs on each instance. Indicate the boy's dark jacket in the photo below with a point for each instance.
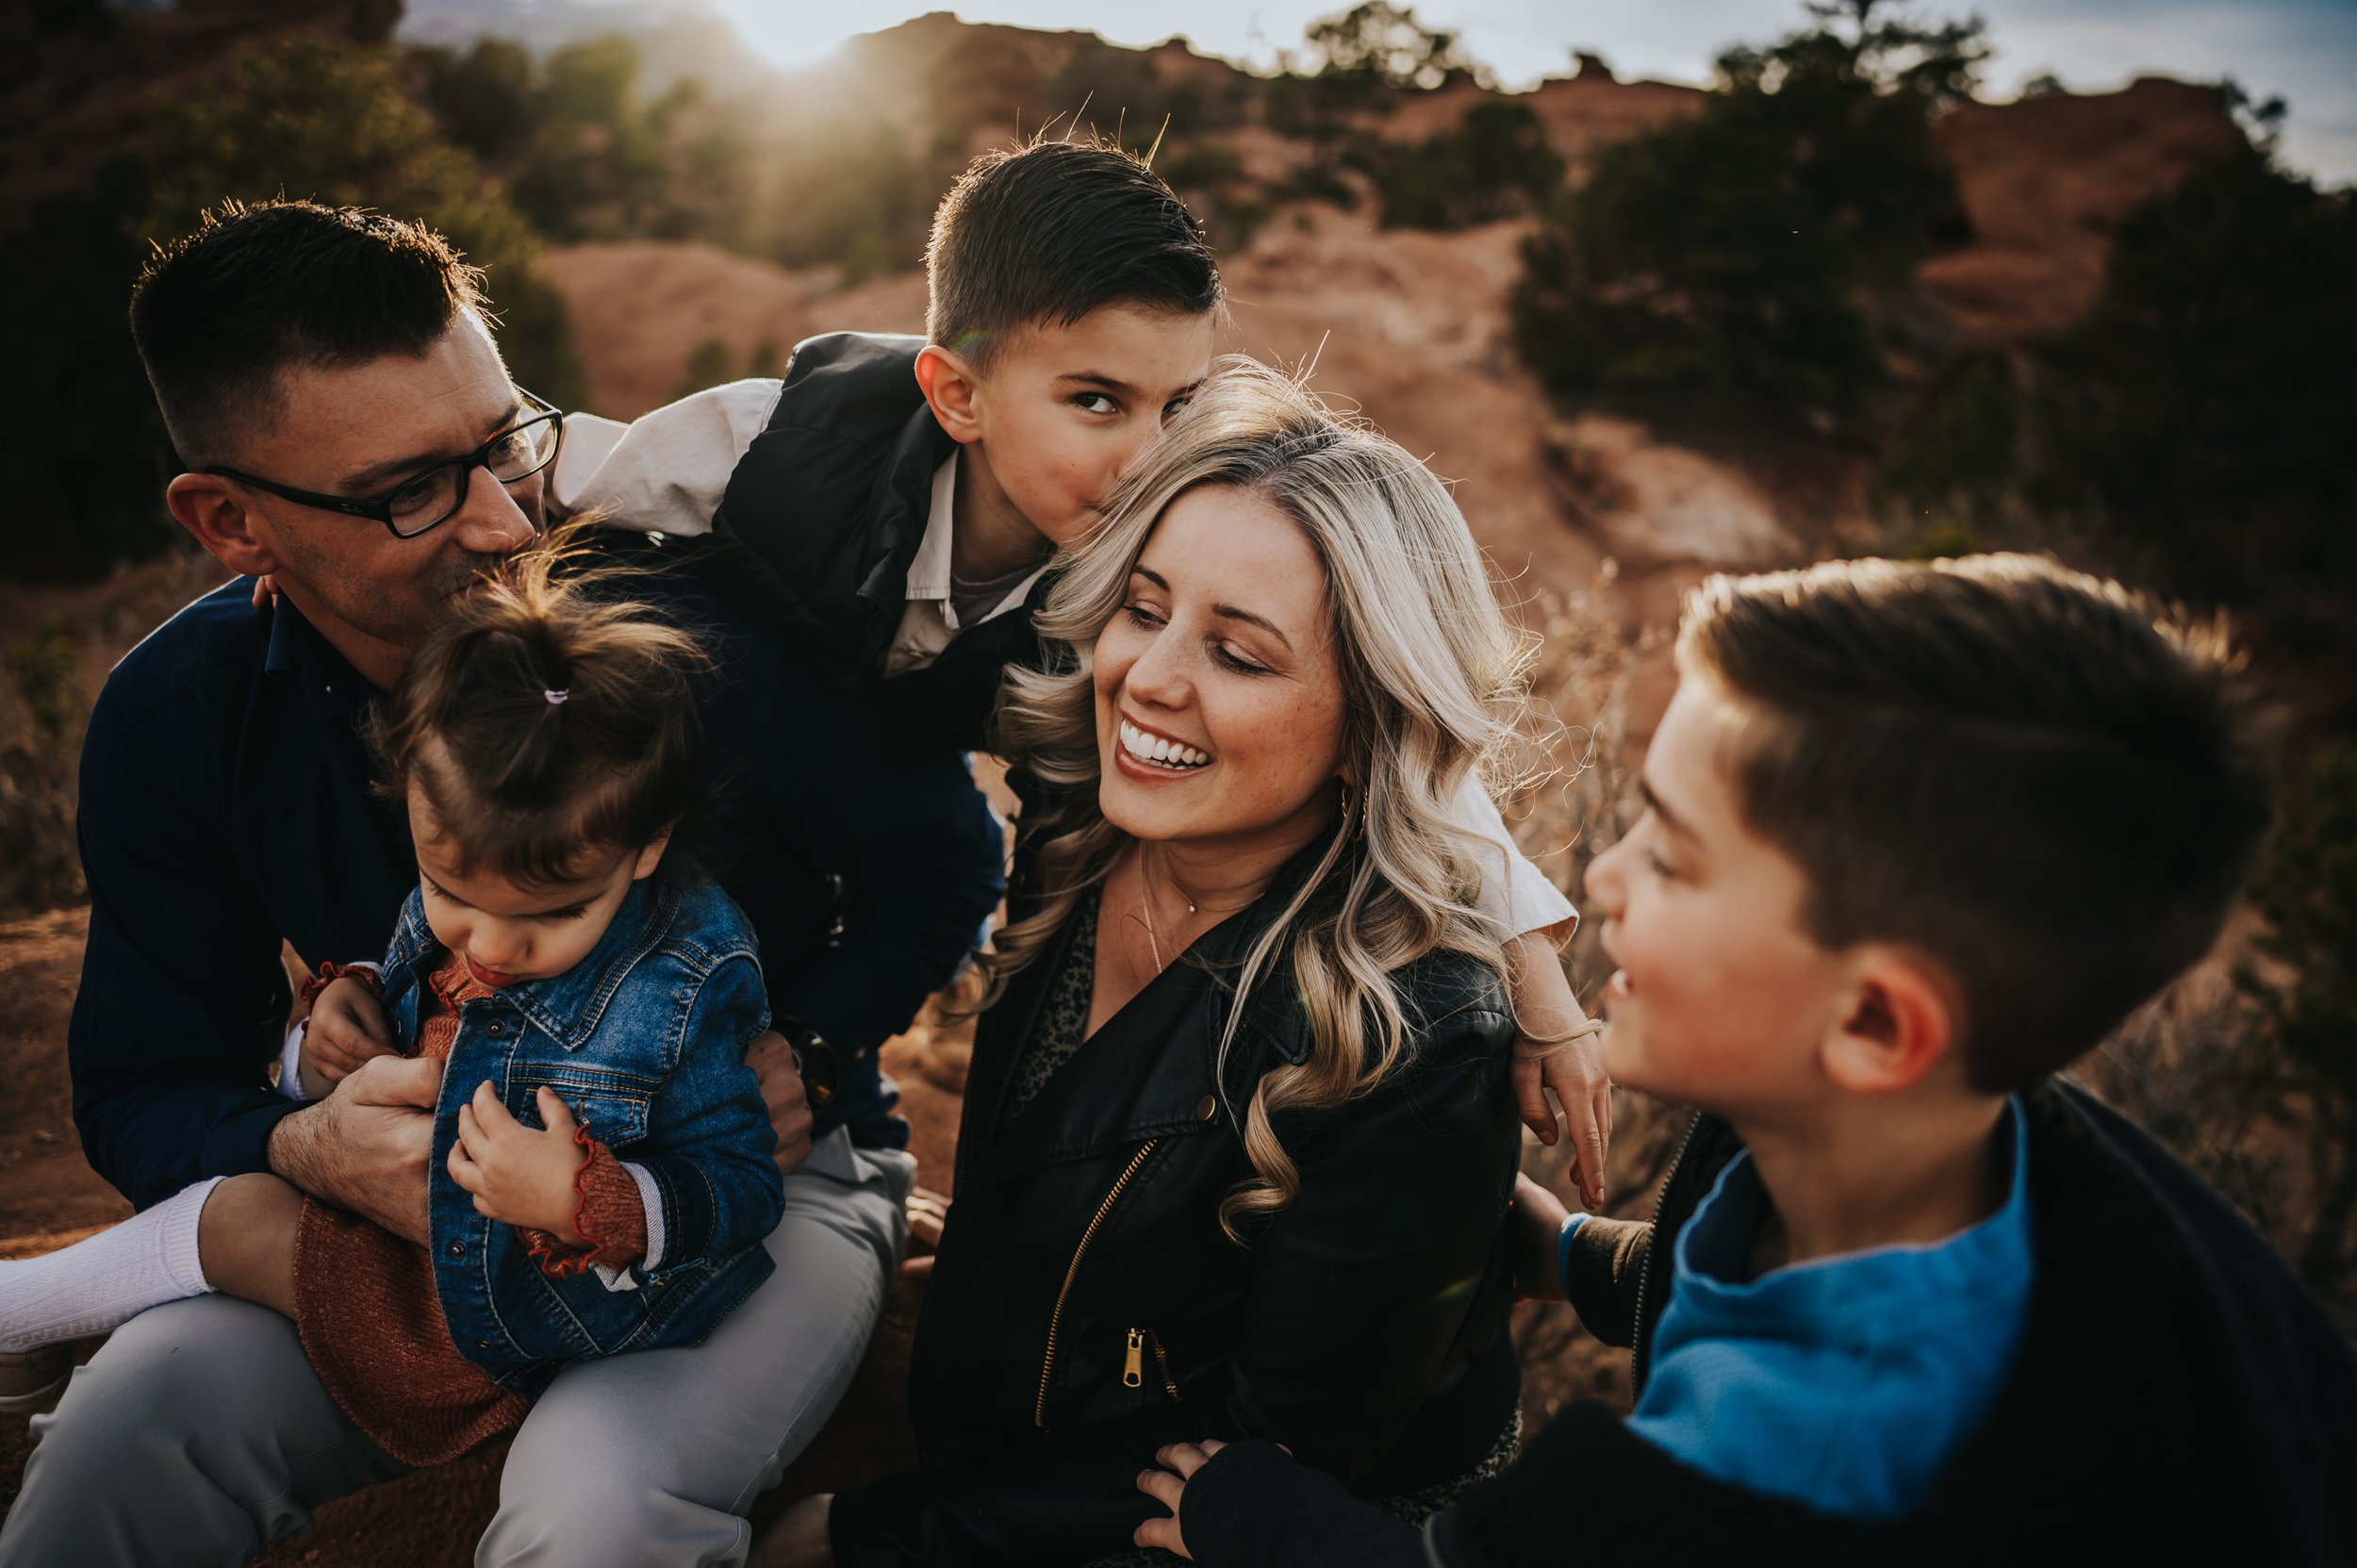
(2178, 1397)
(823, 517)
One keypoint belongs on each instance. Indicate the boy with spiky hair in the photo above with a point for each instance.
(1917, 836)
(896, 504)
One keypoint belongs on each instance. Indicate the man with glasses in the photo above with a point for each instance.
(350, 432)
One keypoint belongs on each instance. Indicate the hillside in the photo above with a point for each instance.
(1595, 524)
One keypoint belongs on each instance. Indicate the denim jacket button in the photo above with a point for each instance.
(497, 1027)
(457, 1249)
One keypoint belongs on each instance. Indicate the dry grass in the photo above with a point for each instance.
(1576, 799)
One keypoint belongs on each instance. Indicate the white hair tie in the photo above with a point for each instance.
(556, 698)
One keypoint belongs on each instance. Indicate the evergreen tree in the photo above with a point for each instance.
(1743, 251)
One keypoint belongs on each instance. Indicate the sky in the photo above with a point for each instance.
(2305, 50)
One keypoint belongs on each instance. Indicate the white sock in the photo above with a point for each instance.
(108, 1279)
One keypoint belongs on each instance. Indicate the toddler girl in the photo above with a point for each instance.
(602, 1173)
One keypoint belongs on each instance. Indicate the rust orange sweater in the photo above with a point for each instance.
(365, 1302)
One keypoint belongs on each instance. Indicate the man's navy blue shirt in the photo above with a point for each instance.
(226, 804)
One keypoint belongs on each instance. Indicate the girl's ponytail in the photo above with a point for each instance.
(548, 717)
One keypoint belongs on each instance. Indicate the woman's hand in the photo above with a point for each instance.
(346, 1026)
(520, 1175)
(1166, 1486)
(1558, 1050)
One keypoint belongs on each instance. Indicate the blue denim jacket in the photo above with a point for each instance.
(645, 1039)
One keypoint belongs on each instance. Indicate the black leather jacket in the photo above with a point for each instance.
(1086, 1307)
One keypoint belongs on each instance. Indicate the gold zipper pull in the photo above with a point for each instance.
(1133, 1360)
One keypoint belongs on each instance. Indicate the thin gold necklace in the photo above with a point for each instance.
(1145, 907)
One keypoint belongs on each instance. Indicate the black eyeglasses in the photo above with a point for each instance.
(428, 499)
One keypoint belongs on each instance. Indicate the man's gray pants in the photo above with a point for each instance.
(200, 1434)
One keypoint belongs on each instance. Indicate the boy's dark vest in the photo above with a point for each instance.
(823, 516)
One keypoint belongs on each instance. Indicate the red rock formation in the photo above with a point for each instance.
(2046, 181)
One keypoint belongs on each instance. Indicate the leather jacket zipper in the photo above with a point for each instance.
(1055, 1319)
(1133, 1363)
(1644, 1270)
(1162, 1364)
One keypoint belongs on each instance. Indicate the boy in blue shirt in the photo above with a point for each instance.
(1917, 836)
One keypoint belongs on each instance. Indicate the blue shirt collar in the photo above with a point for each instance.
(1859, 1291)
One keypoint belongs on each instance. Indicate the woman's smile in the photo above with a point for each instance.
(1154, 752)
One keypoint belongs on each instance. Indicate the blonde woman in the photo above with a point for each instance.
(1238, 1143)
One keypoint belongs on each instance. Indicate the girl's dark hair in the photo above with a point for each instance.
(545, 720)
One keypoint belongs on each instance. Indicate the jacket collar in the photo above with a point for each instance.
(904, 498)
(566, 1007)
(1152, 1069)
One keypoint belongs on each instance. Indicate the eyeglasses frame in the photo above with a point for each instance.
(381, 508)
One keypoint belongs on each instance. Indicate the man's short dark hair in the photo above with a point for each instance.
(1048, 233)
(2039, 780)
(255, 290)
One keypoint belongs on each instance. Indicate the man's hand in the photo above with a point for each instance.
(346, 1027)
(927, 1213)
(1534, 1229)
(1558, 1050)
(1166, 1486)
(772, 1062)
(521, 1174)
(365, 1147)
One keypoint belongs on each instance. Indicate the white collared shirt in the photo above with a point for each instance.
(932, 617)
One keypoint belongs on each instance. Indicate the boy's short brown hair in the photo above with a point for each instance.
(2030, 775)
(1048, 232)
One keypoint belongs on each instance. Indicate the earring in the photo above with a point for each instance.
(1354, 830)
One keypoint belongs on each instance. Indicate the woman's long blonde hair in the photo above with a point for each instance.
(1429, 671)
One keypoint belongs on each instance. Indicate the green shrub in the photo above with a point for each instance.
(1730, 253)
(1958, 455)
(867, 203)
(309, 116)
(2198, 417)
(709, 364)
(1126, 99)
(1494, 164)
